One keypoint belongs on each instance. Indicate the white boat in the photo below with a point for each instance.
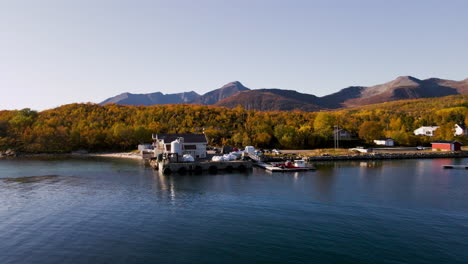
(288, 166)
(300, 164)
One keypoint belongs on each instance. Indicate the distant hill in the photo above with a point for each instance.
(404, 87)
(152, 98)
(234, 94)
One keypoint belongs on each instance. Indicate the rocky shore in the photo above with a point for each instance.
(8, 153)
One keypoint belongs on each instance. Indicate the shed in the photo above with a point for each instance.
(446, 145)
(389, 142)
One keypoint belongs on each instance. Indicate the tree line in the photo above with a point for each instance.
(115, 127)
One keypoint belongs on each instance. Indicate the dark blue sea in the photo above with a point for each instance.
(102, 210)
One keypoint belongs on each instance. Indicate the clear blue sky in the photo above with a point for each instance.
(63, 51)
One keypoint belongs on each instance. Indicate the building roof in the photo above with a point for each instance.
(341, 131)
(445, 142)
(188, 137)
(428, 127)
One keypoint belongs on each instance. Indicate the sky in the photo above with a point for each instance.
(55, 52)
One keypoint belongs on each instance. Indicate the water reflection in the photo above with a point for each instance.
(97, 212)
(33, 179)
(403, 181)
(323, 183)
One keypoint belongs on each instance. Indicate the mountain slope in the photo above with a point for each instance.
(264, 100)
(336, 100)
(403, 87)
(151, 99)
(219, 94)
(291, 94)
(461, 86)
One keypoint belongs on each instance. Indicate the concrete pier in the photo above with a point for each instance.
(199, 166)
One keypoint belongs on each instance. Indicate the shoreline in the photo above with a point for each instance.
(122, 155)
(391, 156)
(362, 156)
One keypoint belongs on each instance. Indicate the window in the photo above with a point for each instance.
(187, 147)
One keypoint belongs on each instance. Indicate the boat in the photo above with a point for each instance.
(288, 166)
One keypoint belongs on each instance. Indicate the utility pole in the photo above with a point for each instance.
(336, 136)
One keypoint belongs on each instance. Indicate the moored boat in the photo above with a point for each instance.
(288, 166)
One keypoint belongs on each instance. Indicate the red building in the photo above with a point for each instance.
(446, 145)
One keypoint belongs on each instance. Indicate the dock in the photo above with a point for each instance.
(456, 167)
(200, 166)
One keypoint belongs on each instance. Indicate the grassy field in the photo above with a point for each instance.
(318, 152)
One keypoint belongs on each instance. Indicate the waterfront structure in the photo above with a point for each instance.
(446, 145)
(426, 131)
(389, 142)
(193, 144)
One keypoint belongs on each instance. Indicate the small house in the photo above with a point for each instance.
(426, 131)
(342, 134)
(460, 130)
(389, 142)
(193, 144)
(446, 145)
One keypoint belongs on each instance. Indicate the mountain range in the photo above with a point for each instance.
(234, 94)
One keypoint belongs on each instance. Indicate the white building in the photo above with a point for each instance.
(389, 142)
(426, 131)
(460, 130)
(193, 144)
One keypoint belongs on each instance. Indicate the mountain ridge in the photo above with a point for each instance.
(265, 99)
(151, 98)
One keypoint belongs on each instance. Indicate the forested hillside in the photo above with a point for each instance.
(115, 127)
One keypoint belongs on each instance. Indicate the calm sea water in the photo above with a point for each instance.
(118, 211)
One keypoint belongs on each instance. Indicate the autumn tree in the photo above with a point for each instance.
(323, 124)
(118, 127)
(371, 130)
